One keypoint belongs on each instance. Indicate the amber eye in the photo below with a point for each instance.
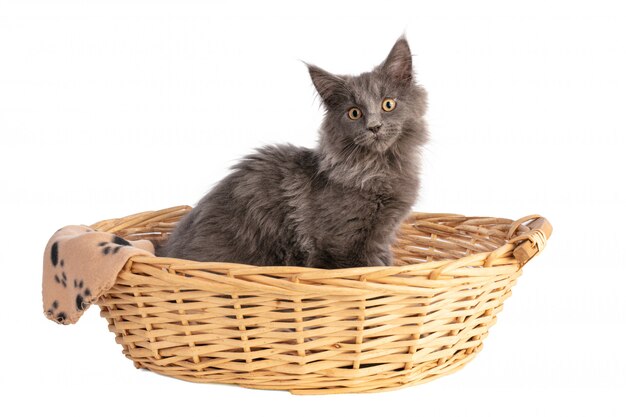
(354, 113)
(389, 104)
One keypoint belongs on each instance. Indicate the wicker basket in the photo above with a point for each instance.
(315, 331)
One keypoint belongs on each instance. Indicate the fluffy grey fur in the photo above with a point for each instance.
(338, 205)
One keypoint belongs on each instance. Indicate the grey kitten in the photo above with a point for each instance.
(338, 205)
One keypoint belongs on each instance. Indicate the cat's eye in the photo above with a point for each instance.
(354, 113)
(388, 104)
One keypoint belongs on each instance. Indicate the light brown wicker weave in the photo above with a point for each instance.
(313, 331)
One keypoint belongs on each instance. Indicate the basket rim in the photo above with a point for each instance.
(430, 275)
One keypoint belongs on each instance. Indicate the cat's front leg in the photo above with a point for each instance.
(334, 260)
(379, 257)
(376, 256)
(386, 257)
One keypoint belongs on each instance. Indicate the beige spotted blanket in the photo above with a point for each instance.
(79, 265)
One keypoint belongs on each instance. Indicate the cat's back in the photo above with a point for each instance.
(250, 205)
(284, 159)
(274, 170)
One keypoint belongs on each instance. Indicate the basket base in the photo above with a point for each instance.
(321, 384)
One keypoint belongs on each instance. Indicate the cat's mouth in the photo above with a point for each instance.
(378, 142)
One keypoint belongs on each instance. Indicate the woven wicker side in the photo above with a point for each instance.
(317, 331)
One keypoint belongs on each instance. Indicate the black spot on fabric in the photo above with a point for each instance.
(119, 241)
(62, 281)
(79, 303)
(59, 317)
(53, 307)
(115, 245)
(54, 253)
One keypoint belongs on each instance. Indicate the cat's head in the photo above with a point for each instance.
(372, 111)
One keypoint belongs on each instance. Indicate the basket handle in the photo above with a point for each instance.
(532, 242)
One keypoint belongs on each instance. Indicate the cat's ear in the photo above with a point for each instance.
(331, 88)
(399, 63)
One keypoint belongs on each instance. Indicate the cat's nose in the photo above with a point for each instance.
(374, 126)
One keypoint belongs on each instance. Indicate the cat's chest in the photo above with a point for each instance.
(341, 209)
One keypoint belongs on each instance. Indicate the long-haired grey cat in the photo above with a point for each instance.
(338, 205)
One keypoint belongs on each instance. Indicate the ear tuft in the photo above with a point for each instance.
(328, 86)
(399, 63)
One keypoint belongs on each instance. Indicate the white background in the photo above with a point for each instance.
(113, 108)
